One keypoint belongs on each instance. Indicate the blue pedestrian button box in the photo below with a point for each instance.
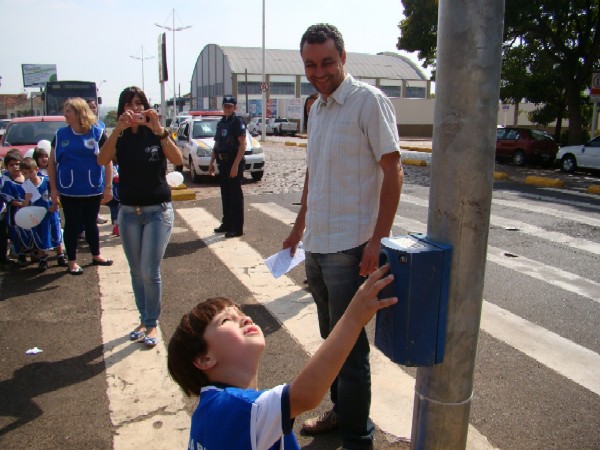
(413, 331)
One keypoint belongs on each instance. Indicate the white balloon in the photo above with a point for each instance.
(174, 178)
(29, 153)
(30, 216)
(45, 144)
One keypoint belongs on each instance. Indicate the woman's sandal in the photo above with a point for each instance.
(106, 262)
(76, 271)
(150, 341)
(138, 335)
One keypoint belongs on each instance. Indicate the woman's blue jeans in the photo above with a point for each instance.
(333, 279)
(145, 233)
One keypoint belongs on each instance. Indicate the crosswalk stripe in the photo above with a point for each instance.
(571, 360)
(559, 354)
(532, 230)
(145, 404)
(562, 214)
(297, 313)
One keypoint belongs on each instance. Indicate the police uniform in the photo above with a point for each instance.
(229, 129)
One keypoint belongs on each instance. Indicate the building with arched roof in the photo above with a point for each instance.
(221, 70)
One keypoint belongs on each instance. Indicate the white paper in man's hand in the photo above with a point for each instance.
(282, 262)
(29, 188)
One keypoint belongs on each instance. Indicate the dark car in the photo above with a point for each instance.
(524, 145)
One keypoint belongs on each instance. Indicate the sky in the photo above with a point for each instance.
(99, 40)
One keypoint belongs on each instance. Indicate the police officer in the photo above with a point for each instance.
(229, 149)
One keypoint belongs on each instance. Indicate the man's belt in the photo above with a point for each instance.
(224, 156)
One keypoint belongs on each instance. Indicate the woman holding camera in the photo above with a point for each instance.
(80, 181)
(142, 147)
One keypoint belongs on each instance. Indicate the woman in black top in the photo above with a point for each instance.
(141, 147)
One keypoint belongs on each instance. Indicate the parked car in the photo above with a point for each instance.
(585, 156)
(195, 138)
(254, 127)
(276, 126)
(524, 145)
(23, 133)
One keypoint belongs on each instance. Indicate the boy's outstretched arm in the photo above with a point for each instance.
(312, 383)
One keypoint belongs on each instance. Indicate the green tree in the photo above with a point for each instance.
(110, 119)
(550, 51)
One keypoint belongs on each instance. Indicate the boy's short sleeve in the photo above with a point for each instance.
(273, 415)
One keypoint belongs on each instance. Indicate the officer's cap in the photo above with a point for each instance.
(229, 100)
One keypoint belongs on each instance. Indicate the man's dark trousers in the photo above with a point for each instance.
(232, 197)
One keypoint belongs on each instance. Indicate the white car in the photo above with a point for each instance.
(195, 138)
(580, 156)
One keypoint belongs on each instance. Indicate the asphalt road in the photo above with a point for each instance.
(536, 383)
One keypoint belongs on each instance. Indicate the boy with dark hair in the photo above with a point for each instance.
(215, 351)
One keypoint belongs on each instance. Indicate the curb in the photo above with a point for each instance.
(291, 143)
(544, 181)
(594, 189)
(414, 162)
(501, 176)
(181, 193)
(416, 149)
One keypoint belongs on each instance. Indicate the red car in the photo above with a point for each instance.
(23, 133)
(523, 145)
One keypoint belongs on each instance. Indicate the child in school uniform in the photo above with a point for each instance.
(45, 235)
(41, 156)
(21, 239)
(3, 226)
(214, 354)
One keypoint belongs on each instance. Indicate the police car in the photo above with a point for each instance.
(195, 138)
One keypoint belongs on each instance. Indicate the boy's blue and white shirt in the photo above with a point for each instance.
(243, 419)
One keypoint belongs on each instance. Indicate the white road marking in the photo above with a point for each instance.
(392, 388)
(145, 403)
(563, 214)
(571, 360)
(551, 275)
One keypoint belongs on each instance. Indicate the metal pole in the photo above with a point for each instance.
(264, 80)
(174, 91)
(466, 113)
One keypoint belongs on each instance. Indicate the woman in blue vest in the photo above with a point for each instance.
(79, 180)
(142, 147)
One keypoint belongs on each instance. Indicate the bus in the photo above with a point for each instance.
(57, 92)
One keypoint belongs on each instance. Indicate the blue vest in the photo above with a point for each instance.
(78, 173)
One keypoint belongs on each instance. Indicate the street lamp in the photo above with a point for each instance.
(173, 29)
(142, 59)
(100, 85)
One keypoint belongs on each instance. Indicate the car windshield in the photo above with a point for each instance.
(204, 129)
(4, 124)
(30, 133)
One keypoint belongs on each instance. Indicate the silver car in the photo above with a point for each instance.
(195, 138)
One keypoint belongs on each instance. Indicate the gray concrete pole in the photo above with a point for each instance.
(466, 113)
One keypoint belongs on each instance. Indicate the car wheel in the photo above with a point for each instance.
(519, 157)
(195, 176)
(257, 176)
(568, 163)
